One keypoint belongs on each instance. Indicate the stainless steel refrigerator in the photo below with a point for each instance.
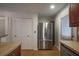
(45, 35)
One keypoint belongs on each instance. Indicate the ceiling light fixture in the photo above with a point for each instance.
(52, 6)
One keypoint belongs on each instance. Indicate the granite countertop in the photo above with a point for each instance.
(8, 47)
(73, 45)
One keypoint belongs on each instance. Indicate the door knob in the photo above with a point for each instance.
(14, 35)
(27, 35)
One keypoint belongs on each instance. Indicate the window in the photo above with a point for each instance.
(65, 29)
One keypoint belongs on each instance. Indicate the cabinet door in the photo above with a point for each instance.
(74, 15)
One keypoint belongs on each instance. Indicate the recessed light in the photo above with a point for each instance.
(52, 6)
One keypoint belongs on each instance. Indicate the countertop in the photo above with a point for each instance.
(8, 47)
(73, 45)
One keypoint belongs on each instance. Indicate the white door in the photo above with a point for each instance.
(23, 30)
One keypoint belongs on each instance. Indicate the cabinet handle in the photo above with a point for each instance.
(14, 35)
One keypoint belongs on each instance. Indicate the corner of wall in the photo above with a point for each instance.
(63, 12)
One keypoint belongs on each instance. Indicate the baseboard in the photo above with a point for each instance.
(35, 49)
(29, 49)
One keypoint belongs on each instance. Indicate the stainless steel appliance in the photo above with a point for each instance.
(45, 35)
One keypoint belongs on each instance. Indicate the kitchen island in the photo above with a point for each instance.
(10, 48)
(69, 48)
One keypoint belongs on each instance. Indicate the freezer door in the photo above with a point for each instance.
(48, 44)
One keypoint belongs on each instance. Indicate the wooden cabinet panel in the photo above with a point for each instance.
(74, 15)
(16, 52)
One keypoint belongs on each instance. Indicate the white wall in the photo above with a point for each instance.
(35, 22)
(10, 16)
(7, 28)
(63, 13)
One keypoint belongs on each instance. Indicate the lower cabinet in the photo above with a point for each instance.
(64, 51)
(16, 52)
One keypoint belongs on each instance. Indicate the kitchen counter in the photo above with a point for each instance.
(8, 47)
(72, 45)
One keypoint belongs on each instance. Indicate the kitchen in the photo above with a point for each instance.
(14, 32)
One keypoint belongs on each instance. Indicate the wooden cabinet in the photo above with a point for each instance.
(74, 15)
(16, 52)
(65, 51)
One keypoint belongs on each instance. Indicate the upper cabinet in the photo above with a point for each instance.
(74, 15)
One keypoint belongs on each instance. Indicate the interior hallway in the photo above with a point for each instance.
(53, 52)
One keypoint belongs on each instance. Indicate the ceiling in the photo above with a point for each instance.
(40, 8)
